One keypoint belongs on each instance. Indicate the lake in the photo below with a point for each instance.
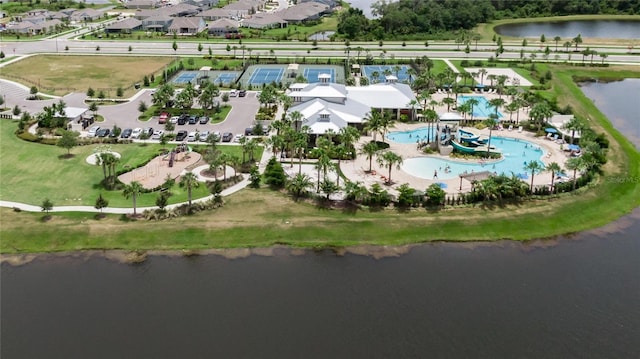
(608, 29)
(612, 98)
(570, 297)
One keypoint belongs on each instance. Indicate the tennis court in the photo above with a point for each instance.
(185, 77)
(266, 75)
(311, 74)
(402, 74)
(226, 77)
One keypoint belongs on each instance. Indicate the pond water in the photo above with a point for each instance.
(572, 297)
(616, 105)
(608, 29)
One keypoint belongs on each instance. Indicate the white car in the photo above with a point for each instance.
(136, 132)
(192, 137)
(93, 130)
(203, 136)
(174, 119)
(218, 136)
(157, 135)
(238, 138)
(233, 93)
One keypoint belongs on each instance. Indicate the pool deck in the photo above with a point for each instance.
(357, 170)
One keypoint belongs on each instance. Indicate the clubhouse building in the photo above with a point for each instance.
(329, 106)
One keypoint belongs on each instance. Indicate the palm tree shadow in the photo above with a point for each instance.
(66, 156)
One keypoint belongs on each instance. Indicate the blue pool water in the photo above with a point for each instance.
(514, 152)
(411, 136)
(482, 109)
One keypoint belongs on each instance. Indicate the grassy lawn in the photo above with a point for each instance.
(521, 69)
(31, 172)
(294, 32)
(60, 75)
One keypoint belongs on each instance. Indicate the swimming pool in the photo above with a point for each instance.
(483, 109)
(514, 155)
(412, 136)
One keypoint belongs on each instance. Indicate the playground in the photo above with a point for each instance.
(154, 173)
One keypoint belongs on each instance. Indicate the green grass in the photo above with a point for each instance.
(297, 32)
(31, 172)
(521, 69)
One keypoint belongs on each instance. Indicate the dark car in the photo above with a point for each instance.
(182, 120)
(148, 131)
(242, 93)
(193, 120)
(204, 120)
(103, 132)
(181, 135)
(248, 131)
(227, 137)
(126, 133)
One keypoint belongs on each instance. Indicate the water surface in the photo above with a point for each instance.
(608, 29)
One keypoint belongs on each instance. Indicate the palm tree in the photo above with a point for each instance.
(132, 190)
(575, 124)
(370, 149)
(375, 75)
(389, 159)
(534, 167)
(540, 112)
(490, 122)
(557, 39)
(189, 181)
(322, 164)
(577, 40)
(355, 191)
(296, 118)
(299, 184)
(496, 103)
(482, 72)
(554, 168)
(448, 101)
(373, 122)
(575, 164)
(473, 102)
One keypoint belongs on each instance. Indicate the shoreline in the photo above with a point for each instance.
(374, 251)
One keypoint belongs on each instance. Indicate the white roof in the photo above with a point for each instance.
(320, 91)
(559, 121)
(383, 95)
(73, 112)
(450, 116)
(321, 127)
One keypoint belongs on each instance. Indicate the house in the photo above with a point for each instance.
(264, 21)
(328, 106)
(216, 14)
(245, 7)
(330, 3)
(34, 19)
(202, 4)
(159, 23)
(141, 4)
(86, 15)
(125, 26)
(304, 12)
(187, 25)
(46, 27)
(183, 9)
(21, 27)
(60, 15)
(37, 12)
(223, 27)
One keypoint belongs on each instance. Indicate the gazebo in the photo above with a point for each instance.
(474, 176)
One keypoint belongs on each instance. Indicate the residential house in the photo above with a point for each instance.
(46, 27)
(202, 4)
(328, 106)
(34, 19)
(183, 9)
(37, 12)
(216, 14)
(187, 25)
(245, 7)
(141, 4)
(86, 15)
(125, 26)
(304, 12)
(331, 3)
(60, 15)
(159, 23)
(264, 21)
(21, 27)
(223, 27)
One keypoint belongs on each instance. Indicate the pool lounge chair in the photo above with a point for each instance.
(510, 127)
(520, 129)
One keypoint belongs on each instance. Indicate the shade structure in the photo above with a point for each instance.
(441, 184)
(574, 148)
(451, 116)
(550, 130)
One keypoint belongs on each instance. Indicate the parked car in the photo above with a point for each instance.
(93, 130)
(148, 131)
(136, 133)
(103, 132)
(227, 137)
(218, 136)
(182, 120)
(238, 138)
(193, 120)
(233, 93)
(204, 120)
(203, 136)
(157, 134)
(242, 93)
(248, 131)
(174, 119)
(163, 118)
(181, 135)
(126, 133)
(192, 137)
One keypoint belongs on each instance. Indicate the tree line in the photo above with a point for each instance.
(409, 19)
